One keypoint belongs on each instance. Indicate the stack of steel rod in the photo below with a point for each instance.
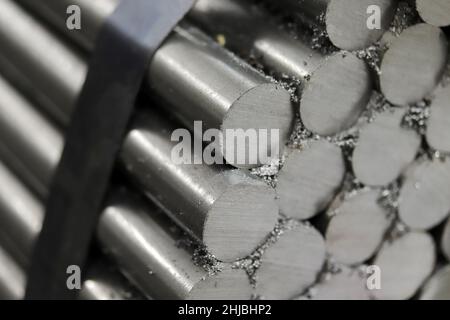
(355, 205)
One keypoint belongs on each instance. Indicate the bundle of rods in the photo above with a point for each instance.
(356, 205)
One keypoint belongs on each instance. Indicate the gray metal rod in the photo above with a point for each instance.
(436, 12)
(356, 227)
(409, 80)
(21, 216)
(384, 148)
(336, 88)
(12, 278)
(206, 200)
(131, 232)
(348, 23)
(194, 78)
(412, 251)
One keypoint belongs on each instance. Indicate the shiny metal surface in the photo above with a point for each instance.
(127, 231)
(206, 200)
(196, 79)
(12, 278)
(21, 217)
(338, 80)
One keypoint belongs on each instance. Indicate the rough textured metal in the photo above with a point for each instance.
(356, 228)
(384, 148)
(196, 79)
(413, 65)
(436, 12)
(405, 263)
(309, 179)
(438, 125)
(345, 21)
(291, 264)
(341, 81)
(424, 200)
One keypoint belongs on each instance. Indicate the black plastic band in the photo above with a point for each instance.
(128, 40)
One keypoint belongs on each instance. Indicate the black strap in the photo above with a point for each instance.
(128, 40)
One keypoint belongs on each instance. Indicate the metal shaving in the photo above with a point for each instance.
(405, 16)
(417, 116)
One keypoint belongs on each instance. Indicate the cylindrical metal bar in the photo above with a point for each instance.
(21, 216)
(436, 12)
(438, 286)
(291, 264)
(384, 148)
(350, 24)
(343, 284)
(195, 78)
(206, 200)
(309, 179)
(356, 227)
(424, 200)
(336, 88)
(413, 65)
(12, 278)
(134, 237)
(414, 252)
(438, 125)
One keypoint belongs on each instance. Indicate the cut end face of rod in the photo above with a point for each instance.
(228, 284)
(436, 12)
(405, 264)
(349, 24)
(347, 284)
(425, 195)
(438, 125)
(384, 149)
(291, 265)
(413, 65)
(309, 179)
(240, 219)
(336, 94)
(357, 230)
(438, 286)
(265, 107)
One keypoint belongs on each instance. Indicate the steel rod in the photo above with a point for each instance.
(424, 200)
(346, 22)
(21, 216)
(309, 179)
(343, 284)
(438, 286)
(337, 87)
(141, 242)
(405, 263)
(206, 200)
(438, 125)
(435, 12)
(188, 74)
(12, 278)
(356, 228)
(384, 148)
(291, 264)
(413, 65)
